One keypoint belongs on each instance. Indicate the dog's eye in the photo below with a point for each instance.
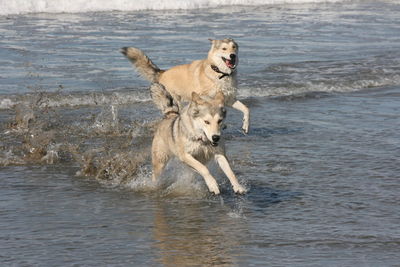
(224, 48)
(206, 122)
(219, 121)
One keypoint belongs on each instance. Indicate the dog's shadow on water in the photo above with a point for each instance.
(259, 198)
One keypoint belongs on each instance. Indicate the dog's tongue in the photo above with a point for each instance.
(229, 63)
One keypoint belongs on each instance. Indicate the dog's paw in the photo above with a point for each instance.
(245, 127)
(216, 191)
(213, 187)
(239, 189)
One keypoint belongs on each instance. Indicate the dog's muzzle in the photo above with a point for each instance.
(215, 139)
(231, 62)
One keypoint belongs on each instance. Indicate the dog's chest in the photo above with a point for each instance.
(228, 87)
(200, 151)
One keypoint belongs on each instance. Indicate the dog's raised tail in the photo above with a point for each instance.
(143, 63)
(163, 100)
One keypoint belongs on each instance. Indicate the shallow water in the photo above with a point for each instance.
(321, 161)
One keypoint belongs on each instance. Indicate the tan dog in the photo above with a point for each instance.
(193, 135)
(216, 73)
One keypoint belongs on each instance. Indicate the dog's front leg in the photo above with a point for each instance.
(246, 115)
(200, 168)
(226, 168)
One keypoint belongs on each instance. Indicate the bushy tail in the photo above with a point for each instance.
(163, 100)
(143, 64)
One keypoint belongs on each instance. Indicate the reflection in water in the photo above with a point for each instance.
(209, 231)
(196, 234)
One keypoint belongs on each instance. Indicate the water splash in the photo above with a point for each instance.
(102, 145)
(120, 96)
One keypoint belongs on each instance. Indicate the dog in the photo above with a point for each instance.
(216, 73)
(192, 134)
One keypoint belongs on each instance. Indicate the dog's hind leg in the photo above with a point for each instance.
(200, 168)
(159, 160)
(246, 115)
(158, 167)
(226, 168)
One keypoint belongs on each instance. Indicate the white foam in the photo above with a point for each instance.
(6, 103)
(74, 6)
(54, 100)
(344, 86)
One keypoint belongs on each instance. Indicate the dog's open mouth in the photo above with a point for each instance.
(230, 63)
(214, 143)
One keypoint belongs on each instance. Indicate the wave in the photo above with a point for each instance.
(268, 89)
(276, 80)
(303, 78)
(78, 6)
(55, 100)
(317, 87)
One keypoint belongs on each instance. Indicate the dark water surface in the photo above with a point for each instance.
(323, 179)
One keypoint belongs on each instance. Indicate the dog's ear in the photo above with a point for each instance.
(219, 98)
(197, 99)
(193, 110)
(212, 42)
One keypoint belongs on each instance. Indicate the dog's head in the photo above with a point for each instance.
(224, 54)
(207, 116)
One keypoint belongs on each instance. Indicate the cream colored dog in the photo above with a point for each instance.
(216, 73)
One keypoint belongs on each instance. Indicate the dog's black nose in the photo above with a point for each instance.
(215, 138)
(232, 56)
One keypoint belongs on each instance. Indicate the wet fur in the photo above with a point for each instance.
(185, 134)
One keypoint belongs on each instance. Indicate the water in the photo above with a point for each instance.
(321, 161)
